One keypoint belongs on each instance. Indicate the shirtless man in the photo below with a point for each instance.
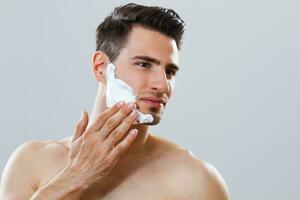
(111, 155)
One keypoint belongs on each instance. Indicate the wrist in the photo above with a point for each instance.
(73, 180)
(62, 186)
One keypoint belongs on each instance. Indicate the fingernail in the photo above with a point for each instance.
(120, 104)
(134, 132)
(133, 114)
(131, 105)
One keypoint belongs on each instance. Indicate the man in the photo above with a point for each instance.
(113, 155)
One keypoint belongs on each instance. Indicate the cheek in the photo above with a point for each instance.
(136, 80)
(138, 83)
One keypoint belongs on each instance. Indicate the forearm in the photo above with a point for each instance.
(60, 187)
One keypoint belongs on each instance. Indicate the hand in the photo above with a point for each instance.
(96, 150)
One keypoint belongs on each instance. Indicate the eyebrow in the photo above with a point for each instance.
(155, 61)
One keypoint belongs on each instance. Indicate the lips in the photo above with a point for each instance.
(155, 100)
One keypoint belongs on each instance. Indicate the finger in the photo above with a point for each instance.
(81, 126)
(123, 145)
(97, 125)
(118, 133)
(116, 119)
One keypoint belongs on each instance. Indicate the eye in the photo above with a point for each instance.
(171, 72)
(144, 64)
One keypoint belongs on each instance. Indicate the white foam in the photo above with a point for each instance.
(117, 90)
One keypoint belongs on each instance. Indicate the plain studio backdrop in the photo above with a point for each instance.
(237, 94)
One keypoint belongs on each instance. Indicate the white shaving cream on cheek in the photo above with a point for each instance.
(117, 90)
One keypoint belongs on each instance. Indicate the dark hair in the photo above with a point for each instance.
(112, 33)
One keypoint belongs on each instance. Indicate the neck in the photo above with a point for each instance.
(138, 147)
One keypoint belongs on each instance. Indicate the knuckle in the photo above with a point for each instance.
(102, 117)
(110, 123)
(107, 146)
(115, 108)
(124, 127)
(107, 162)
(116, 134)
(128, 120)
(126, 142)
(124, 111)
(107, 113)
(119, 149)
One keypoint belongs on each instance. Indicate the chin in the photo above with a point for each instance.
(156, 114)
(155, 121)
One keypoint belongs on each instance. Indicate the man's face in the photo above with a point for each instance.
(148, 63)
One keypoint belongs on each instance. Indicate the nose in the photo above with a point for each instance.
(160, 82)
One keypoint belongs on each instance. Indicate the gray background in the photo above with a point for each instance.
(236, 102)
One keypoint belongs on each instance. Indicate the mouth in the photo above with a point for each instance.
(154, 102)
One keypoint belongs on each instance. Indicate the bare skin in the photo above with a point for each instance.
(103, 160)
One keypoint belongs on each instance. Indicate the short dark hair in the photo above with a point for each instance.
(112, 33)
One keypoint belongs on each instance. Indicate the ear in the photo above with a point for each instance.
(99, 63)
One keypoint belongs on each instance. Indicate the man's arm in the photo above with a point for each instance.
(93, 154)
(18, 178)
(196, 179)
(216, 188)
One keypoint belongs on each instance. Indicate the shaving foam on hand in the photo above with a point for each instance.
(117, 90)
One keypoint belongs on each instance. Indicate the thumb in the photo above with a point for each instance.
(81, 125)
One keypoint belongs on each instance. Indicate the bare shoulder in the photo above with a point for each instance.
(25, 168)
(201, 179)
(37, 152)
(206, 182)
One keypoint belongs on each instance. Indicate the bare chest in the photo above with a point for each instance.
(135, 191)
(161, 177)
(143, 184)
